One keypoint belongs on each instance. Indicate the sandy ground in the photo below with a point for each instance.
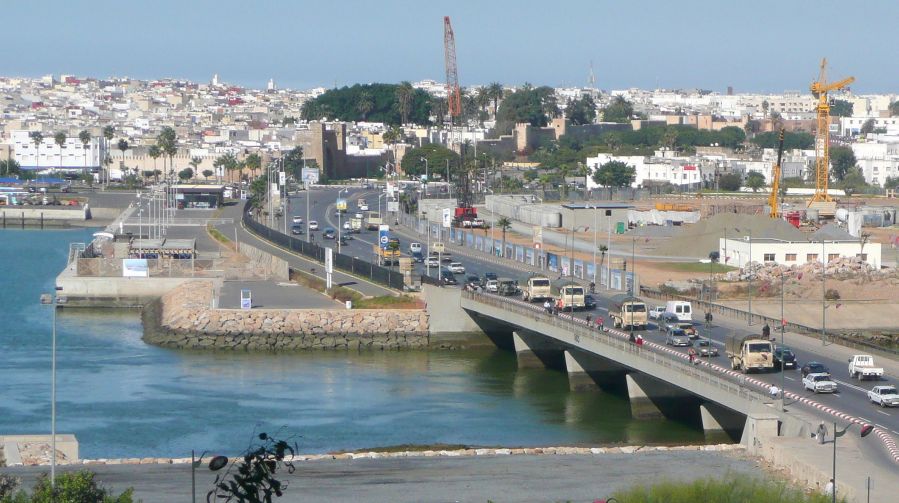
(849, 316)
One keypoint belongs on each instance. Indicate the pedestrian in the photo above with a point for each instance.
(821, 433)
(559, 305)
(599, 323)
(639, 341)
(766, 331)
(548, 306)
(775, 391)
(631, 338)
(708, 318)
(828, 489)
(691, 354)
(588, 319)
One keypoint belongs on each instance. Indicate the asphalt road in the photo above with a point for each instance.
(271, 295)
(438, 479)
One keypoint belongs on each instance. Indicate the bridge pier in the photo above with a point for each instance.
(648, 396)
(589, 372)
(717, 419)
(759, 425)
(536, 351)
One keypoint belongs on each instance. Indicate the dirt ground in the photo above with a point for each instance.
(849, 316)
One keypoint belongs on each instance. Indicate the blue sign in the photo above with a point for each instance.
(383, 236)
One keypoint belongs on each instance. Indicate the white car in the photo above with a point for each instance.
(457, 268)
(363, 207)
(360, 216)
(655, 312)
(297, 219)
(885, 396)
(819, 383)
(492, 285)
(433, 262)
(347, 226)
(414, 247)
(313, 225)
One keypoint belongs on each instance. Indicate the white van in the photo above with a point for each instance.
(414, 247)
(682, 309)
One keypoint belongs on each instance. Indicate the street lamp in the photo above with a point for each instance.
(426, 175)
(52, 299)
(714, 255)
(339, 226)
(215, 464)
(424, 215)
(865, 431)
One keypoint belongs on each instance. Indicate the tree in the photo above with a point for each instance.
(60, 140)
(195, 163)
(755, 180)
(602, 257)
(894, 109)
(730, 182)
(251, 478)
(186, 174)
(792, 141)
(841, 108)
(364, 104)
(154, 151)
(504, 224)
(85, 138)
(10, 167)
(527, 104)
(614, 174)
(123, 146)
(253, 162)
(619, 110)
(371, 102)
(168, 144)
(227, 162)
(80, 486)
(853, 181)
(207, 173)
(404, 94)
(37, 138)
(892, 182)
(436, 155)
(496, 91)
(581, 111)
(765, 107)
(867, 127)
(842, 159)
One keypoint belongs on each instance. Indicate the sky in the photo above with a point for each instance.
(754, 46)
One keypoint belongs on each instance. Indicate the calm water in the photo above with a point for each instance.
(123, 398)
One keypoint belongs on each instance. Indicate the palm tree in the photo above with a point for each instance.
(253, 162)
(123, 146)
(168, 143)
(364, 105)
(439, 109)
(496, 93)
(602, 257)
(194, 162)
(504, 224)
(155, 152)
(404, 95)
(38, 138)
(60, 139)
(85, 138)
(108, 133)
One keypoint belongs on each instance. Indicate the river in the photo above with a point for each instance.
(124, 398)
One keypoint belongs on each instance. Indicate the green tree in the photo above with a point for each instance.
(404, 94)
(10, 167)
(364, 104)
(581, 111)
(37, 138)
(195, 163)
(755, 180)
(186, 174)
(853, 181)
(253, 162)
(765, 107)
(123, 146)
(207, 173)
(436, 155)
(842, 159)
(527, 104)
(614, 174)
(867, 127)
(168, 144)
(85, 138)
(619, 110)
(73, 487)
(841, 108)
(792, 141)
(60, 140)
(504, 224)
(154, 151)
(496, 91)
(894, 109)
(372, 102)
(440, 108)
(892, 182)
(730, 182)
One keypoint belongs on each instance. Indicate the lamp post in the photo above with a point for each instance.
(609, 251)
(594, 243)
(424, 215)
(750, 277)
(426, 175)
(339, 214)
(865, 431)
(823, 295)
(51, 299)
(714, 255)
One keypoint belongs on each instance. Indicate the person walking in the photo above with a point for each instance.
(708, 317)
(588, 319)
(559, 306)
(599, 323)
(691, 354)
(828, 489)
(766, 331)
(548, 305)
(639, 341)
(775, 391)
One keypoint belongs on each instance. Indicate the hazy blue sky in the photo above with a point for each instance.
(756, 45)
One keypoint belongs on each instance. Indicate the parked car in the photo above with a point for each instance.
(456, 268)
(677, 337)
(784, 358)
(329, 233)
(885, 396)
(448, 277)
(296, 230)
(819, 383)
(668, 321)
(491, 285)
(814, 368)
(706, 348)
(589, 302)
(655, 312)
(297, 219)
(313, 225)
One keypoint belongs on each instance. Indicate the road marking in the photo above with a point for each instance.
(850, 385)
(881, 412)
(865, 420)
(790, 378)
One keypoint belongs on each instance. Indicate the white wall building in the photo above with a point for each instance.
(878, 161)
(735, 252)
(852, 126)
(650, 169)
(48, 155)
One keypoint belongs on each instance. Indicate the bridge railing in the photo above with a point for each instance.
(619, 340)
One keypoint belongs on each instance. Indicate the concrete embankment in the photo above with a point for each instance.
(185, 318)
(45, 216)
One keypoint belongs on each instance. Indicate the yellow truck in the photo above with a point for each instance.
(628, 311)
(749, 352)
(538, 288)
(387, 256)
(571, 294)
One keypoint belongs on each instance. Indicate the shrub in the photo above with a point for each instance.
(732, 489)
(78, 487)
(832, 294)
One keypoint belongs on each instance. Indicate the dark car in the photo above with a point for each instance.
(589, 302)
(668, 321)
(296, 229)
(448, 277)
(814, 368)
(418, 257)
(706, 348)
(473, 281)
(784, 358)
(329, 233)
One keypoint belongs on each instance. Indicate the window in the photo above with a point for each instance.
(832, 256)
(863, 256)
(811, 257)
(769, 257)
(791, 257)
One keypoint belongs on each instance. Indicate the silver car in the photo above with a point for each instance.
(677, 337)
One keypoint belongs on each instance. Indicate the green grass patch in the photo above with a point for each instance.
(390, 302)
(731, 489)
(218, 235)
(694, 267)
(303, 278)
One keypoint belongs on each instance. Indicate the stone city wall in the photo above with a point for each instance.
(184, 318)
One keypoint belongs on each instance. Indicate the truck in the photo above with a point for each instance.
(463, 216)
(682, 309)
(862, 367)
(387, 256)
(570, 294)
(749, 352)
(372, 220)
(355, 225)
(628, 311)
(538, 288)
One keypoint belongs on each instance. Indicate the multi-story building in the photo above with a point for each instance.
(48, 155)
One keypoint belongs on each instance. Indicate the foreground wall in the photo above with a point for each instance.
(183, 318)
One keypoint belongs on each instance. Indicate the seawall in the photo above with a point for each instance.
(184, 318)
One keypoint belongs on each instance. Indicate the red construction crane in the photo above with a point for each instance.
(453, 93)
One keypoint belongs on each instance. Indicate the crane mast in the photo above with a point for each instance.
(453, 92)
(819, 89)
(775, 179)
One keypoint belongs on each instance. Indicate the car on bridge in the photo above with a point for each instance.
(784, 358)
(329, 233)
(688, 327)
(297, 219)
(489, 276)
(313, 225)
(472, 281)
(814, 368)
(819, 383)
(296, 230)
(456, 268)
(589, 302)
(677, 337)
(656, 312)
(433, 262)
(885, 396)
(706, 348)
(668, 321)
(448, 277)
(491, 285)
(418, 257)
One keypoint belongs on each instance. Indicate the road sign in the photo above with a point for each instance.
(447, 218)
(538, 234)
(282, 178)
(246, 299)
(310, 175)
(341, 204)
(329, 260)
(393, 206)
(383, 236)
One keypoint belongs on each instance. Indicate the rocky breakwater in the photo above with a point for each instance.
(184, 318)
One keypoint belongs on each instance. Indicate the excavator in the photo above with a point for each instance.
(775, 179)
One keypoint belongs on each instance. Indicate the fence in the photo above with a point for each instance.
(745, 315)
(156, 268)
(345, 263)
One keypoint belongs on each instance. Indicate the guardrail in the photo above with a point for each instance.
(744, 315)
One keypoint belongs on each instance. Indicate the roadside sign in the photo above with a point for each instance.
(393, 206)
(341, 204)
(282, 178)
(538, 234)
(246, 299)
(447, 218)
(383, 236)
(329, 260)
(310, 175)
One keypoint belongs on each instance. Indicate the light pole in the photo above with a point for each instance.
(609, 251)
(823, 295)
(379, 204)
(594, 243)
(51, 299)
(865, 431)
(339, 213)
(426, 175)
(750, 277)
(714, 255)
(424, 214)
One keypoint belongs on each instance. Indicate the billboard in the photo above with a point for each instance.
(135, 268)
(383, 236)
(393, 206)
(447, 218)
(341, 204)
(310, 175)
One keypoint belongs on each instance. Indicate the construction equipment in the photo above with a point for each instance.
(819, 89)
(453, 92)
(775, 179)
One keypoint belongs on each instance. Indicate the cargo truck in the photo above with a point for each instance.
(749, 352)
(387, 256)
(628, 311)
(570, 294)
(373, 220)
(538, 288)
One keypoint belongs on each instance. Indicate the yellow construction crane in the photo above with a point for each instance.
(775, 179)
(819, 89)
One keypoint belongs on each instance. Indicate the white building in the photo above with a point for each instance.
(650, 169)
(852, 126)
(736, 252)
(878, 161)
(73, 155)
